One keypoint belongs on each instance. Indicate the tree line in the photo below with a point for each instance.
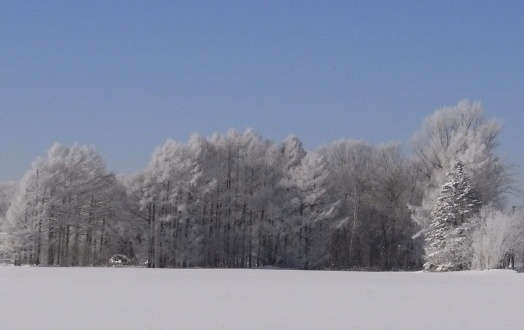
(240, 200)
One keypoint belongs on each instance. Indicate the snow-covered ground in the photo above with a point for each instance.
(138, 298)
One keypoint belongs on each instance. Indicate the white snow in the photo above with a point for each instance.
(139, 298)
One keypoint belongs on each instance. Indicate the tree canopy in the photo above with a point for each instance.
(240, 200)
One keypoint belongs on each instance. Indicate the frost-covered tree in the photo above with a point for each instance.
(453, 133)
(448, 239)
(313, 212)
(62, 212)
(498, 233)
(292, 152)
(213, 202)
(7, 191)
(166, 199)
(374, 184)
(459, 133)
(351, 165)
(394, 187)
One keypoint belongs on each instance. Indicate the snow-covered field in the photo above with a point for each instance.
(137, 298)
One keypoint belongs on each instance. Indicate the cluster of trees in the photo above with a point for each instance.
(463, 214)
(65, 210)
(463, 234)
(239, 200)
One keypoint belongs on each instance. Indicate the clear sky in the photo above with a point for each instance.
(123, 76)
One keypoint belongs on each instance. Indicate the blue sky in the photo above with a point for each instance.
(124, 76)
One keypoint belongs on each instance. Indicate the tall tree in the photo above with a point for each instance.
(165, 195)
(394, 187)
(313, 214)
(448, 240)
(453, 134)
(462, 133)
(62, 210)
(374, 184)
(350, 164)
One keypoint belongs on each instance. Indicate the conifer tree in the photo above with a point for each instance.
(448, 239)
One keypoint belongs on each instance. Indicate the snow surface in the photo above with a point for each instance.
(138, 298)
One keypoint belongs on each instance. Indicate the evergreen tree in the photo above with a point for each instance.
(448, 239)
